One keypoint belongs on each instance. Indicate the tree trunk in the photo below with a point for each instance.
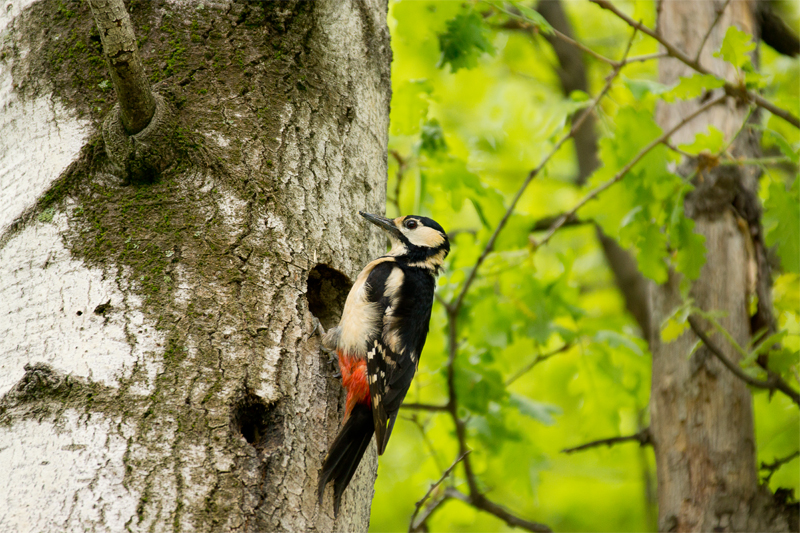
(159, 365)
(701, 414)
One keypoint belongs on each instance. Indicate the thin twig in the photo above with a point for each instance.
(426, 439)
(756, 161)
(522, 23)
(429, 510)
(584, 48)
(479, 501)
(774, 466)
(730, 89)
(461, 432)
(646, 57)
(425, 407)
(532, 174)
(739, 131)
(475, 497)
(538, 359)
(773, 381)
(720, 11)
(643, 437)
(617, 177)
(419, 504)
(544, 223)
(401, 169)
(675, 149)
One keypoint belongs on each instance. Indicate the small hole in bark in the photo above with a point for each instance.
(258, 422)
(326, 293)
(79, 313)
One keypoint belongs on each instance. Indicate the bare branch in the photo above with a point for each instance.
(730, 89)
(643, 437)
(136, 102)
(429, 510)
(619, 175)
(532, 174)
(772, 383)
(720, 11)
(520, 22)
(479, 501)
(425, 407)
(544, 224)
(538, 359)
(461, 433)
(586, 49)
(418, 506)
(775, 465)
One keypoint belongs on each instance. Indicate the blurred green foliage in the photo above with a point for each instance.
(474, 109)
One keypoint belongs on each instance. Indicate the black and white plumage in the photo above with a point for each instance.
(380, 337)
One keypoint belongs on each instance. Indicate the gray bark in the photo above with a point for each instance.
(174, 380)
(701, 414)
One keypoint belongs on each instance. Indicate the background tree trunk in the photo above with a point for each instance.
(701, 414)
(159, 368)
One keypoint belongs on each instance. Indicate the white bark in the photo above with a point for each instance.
(197, 399)
(47, 314)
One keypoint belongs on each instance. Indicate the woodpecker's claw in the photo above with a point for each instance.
(318, 327)
(333, 361)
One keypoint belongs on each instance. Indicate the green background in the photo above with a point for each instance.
(474, 109)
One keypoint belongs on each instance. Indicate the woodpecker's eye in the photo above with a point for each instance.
(410, 224)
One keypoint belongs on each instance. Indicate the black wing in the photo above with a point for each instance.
(393, 353)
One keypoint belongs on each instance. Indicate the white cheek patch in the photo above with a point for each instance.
(423, 236)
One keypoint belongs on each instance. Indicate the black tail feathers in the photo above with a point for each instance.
(345, 453)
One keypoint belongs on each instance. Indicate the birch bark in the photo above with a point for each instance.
(159, 368)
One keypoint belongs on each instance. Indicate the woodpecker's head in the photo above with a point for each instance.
(417, 240)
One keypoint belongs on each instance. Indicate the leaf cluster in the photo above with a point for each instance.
(547, 356)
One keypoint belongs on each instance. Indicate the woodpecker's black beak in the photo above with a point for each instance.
(386, 224)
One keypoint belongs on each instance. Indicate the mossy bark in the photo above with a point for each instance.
(221, 410)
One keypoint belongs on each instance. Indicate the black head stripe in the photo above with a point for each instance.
(425, 221)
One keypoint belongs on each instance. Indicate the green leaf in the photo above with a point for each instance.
(641, 88)
(614, 339)
(464, 40)
(713, 141)
(676, 324)
(736, 47)
(782, 222)
(691, 250)
(652, 250)
(693, 86)
(773, 137)
(432, 138)
(409, 106)
(673, 329)
(534, 17)
(477, 386)
(541, 412)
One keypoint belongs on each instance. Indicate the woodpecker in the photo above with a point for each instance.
(379, 340)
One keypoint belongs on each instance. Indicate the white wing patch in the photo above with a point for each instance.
(361, 319)
(391, 330)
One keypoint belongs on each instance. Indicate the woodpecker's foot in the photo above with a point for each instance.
(333, 362)
(318, 328)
